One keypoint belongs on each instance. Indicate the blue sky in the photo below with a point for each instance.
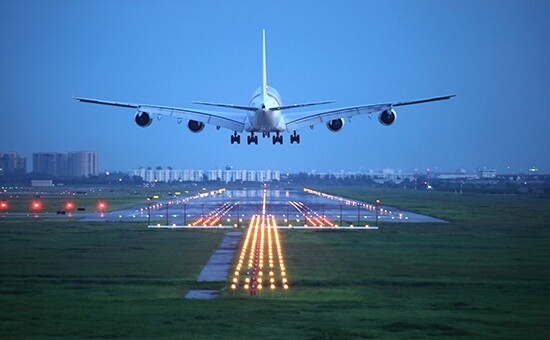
(493, 54)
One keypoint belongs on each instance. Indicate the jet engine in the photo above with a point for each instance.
(387, 117)
(143, 119)
(195, 126)
(335, 125)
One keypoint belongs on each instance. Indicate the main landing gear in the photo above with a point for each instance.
(252, 139)
(236, 138)
(294, 138)
(277, 139)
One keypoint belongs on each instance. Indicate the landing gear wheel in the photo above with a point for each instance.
(252, 139)
(277, 139)
(294, 138)
(236, 139)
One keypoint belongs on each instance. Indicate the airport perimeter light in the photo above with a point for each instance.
(69, 206)
(101, 206)
(36, 205)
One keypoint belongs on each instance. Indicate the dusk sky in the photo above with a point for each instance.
(494, 55)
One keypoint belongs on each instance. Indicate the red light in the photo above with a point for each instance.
(69, 206)
(3, 205)
(101, 206)
(36, 205)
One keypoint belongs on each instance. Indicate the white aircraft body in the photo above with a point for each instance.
(265, 113)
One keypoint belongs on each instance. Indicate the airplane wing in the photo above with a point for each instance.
(295, 121)
(231, 121)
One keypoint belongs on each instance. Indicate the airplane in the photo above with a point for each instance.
(264, 113)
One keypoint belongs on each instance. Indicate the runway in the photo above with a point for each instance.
(233, 208)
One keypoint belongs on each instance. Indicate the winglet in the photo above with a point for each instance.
(264, 67)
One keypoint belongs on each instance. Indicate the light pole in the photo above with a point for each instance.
(377, 208)
(148, 211)
(166, 213)
(238, 215)
(184, 214)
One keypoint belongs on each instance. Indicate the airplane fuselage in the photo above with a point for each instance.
(264, 119)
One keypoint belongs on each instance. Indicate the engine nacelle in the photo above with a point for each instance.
(335, 125)
(387, 117)
(143, 119)
(195, 126)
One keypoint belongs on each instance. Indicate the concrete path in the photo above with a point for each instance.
(202, 294)
(217, 268)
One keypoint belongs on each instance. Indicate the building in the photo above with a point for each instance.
(72, 164)
(486, 173)
(12, 164)
(227, 175)
(50, 163)
(82, 164)
(42, 183)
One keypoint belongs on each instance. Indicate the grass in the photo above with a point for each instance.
(54, 199)
(484, 275)
(456, 208)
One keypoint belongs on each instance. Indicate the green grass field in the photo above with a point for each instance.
(484, 275)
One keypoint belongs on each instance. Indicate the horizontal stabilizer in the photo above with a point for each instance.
(229, 106)
(294, 106)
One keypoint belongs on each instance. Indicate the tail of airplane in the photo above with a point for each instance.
(264, 67)
(264, 91)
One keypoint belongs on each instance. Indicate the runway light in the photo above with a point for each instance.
(233, 286)
(69, 206)
(4, 205)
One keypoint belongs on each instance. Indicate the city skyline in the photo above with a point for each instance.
(85, 163)
(363, 169)
(493, 55)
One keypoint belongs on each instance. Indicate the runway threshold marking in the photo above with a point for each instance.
(262, 238)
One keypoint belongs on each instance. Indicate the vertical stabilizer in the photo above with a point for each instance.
(264, 67)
